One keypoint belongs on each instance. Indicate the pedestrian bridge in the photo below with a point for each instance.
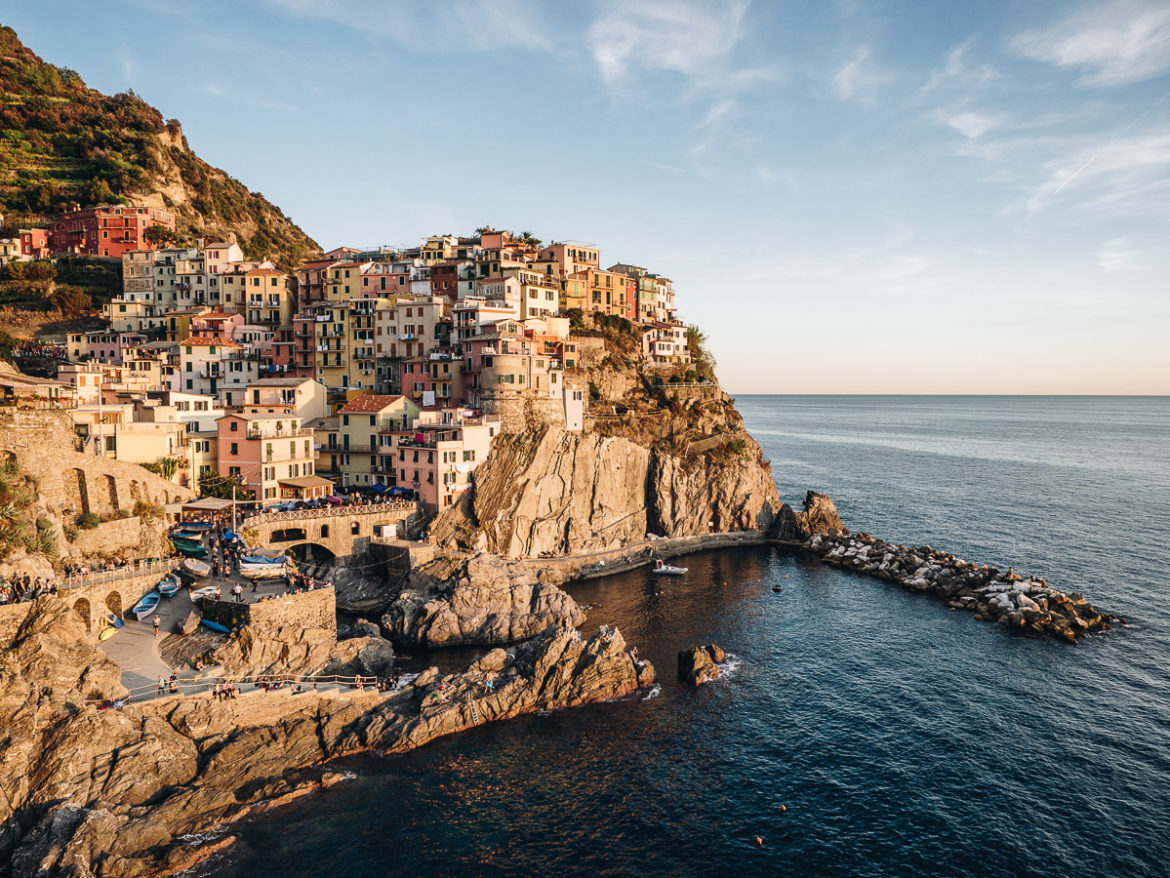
(335, 529)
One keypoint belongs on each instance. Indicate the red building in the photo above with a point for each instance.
(34, 243)
(108, 230)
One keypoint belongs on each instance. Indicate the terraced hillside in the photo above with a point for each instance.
(63, 143)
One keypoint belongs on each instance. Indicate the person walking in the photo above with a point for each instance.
(157, 622)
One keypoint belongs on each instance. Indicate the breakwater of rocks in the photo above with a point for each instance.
(1011, 600)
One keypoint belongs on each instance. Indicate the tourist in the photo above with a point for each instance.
(156, 623)
(238, 591)
(162, 684)
(216, 692)
(174, 685)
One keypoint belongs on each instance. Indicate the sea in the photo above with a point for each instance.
(858, 729)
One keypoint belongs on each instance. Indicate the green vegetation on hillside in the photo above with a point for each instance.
(63, 143)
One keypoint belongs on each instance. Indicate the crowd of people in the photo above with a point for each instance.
(16, 589)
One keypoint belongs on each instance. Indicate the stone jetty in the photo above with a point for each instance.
(1014, 601)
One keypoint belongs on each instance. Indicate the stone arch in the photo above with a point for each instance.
(111, 486)
(314, 552)
(287, 535)
(114, 603)
(75, 490)
(81, 607)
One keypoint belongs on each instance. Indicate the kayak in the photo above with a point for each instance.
(146, 606)
(107, 632)
(215, 626)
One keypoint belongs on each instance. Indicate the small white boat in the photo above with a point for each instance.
(208, 591)
(265, 571)
(666, 570)
(197, 568)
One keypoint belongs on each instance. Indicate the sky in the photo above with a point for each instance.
(851, 197)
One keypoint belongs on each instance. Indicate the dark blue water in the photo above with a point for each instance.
(901, 737)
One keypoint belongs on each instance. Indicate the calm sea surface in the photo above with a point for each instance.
(903, 738)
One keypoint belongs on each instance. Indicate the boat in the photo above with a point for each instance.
(208, 591)
(191, 550)
(265, 554)
(260, 563)
(267, 571)
(107, 632)
(113, 621)
(196, 568)
(662, 569)
(168, 586)
(215, 626)
(146, 606)
(195, 525)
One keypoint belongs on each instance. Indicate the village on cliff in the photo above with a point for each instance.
(387, 371)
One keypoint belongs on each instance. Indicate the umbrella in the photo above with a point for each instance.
(378, 489)
(397, 491)
(333, 500)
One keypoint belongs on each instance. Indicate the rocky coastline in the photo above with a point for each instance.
(87, 791)
(1016, 602)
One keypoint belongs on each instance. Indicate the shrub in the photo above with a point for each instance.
(594, 392)
(88, 520)
(70, 532)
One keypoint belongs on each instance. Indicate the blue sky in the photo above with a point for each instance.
(850, 196)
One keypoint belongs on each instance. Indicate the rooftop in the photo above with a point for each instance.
(369, 403)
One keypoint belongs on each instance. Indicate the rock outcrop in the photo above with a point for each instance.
(482, 601)
(818, 515)
(699, 664)
(1016, 602)
(121, 791)
(553, 492)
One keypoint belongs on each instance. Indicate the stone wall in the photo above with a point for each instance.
(70, 482)
(110, 536)
(307, 609)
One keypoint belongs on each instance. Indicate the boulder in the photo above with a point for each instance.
(698, 664)
(819, 515)
(365, 628)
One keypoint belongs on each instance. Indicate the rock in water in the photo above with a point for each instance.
(819, 515)
(698, 664)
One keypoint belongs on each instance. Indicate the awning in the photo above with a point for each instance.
(207, 504)
(306, 482)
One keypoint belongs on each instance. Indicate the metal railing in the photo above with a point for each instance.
(329, 512)
(153, 567)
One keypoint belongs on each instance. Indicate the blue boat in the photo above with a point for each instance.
(168, 586)
(146, 606)
(215, 626)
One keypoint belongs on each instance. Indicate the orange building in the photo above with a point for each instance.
(108, 230)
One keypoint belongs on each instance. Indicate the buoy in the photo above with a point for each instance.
(783, 808)
(759, 841)
(785, 575)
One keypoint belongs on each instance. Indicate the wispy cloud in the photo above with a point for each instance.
(1128, 174)
(1113, 43)
(1118, 255)
(694, 39)
(970, 125)
(480, 25)
(859, 78)
(958, 67)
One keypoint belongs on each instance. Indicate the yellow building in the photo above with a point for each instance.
(365, 428)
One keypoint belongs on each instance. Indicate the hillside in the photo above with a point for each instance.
(63, 143)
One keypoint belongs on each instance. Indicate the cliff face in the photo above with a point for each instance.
(662, 466)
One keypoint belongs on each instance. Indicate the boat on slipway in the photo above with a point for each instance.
(663, 569)
(146, 606)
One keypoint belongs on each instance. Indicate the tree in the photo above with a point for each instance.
(71, 302)
(529, 238)
(700, 355)
(214, 485)
(158, 235)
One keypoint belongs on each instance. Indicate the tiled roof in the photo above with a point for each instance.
(369, 403)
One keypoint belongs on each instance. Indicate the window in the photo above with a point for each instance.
(355, 528)
(469, 455)
(324, 531)
(235, 448)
